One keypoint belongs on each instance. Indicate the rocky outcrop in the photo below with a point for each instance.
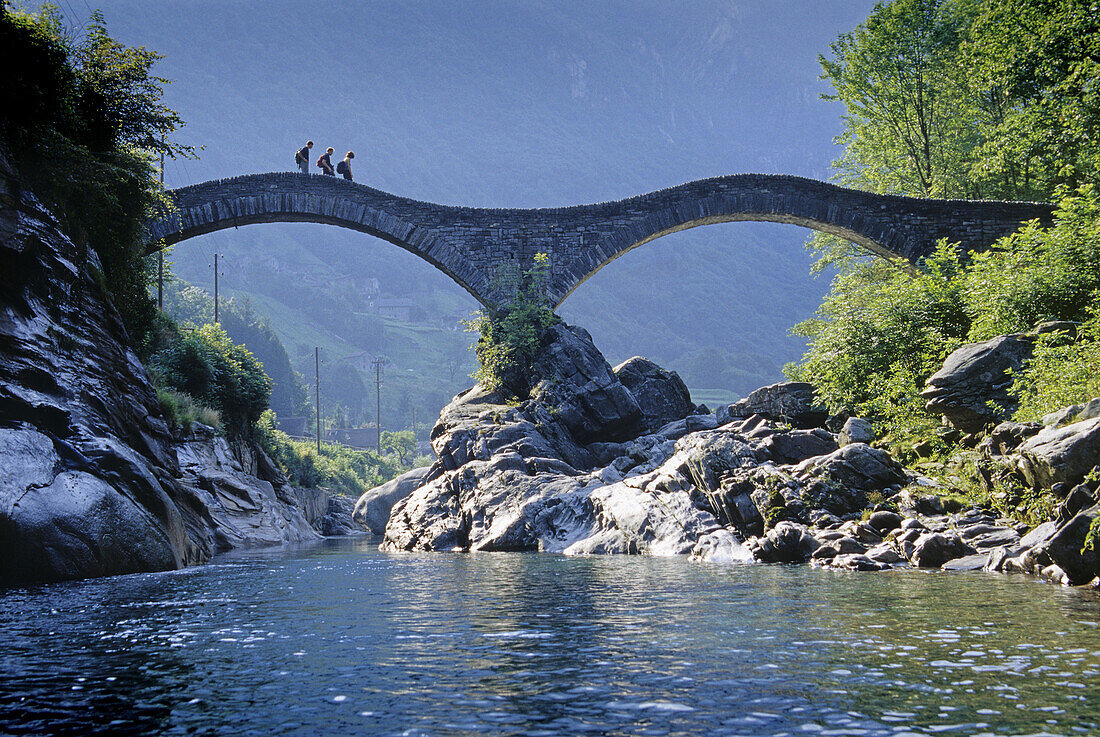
(580, 468)
(790, 402)
(1060, 454)
(971, 390)
(372, 510)
(720, 487)
(91, 480)
(662, 396)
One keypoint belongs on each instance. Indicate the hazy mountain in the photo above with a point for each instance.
(513, 104)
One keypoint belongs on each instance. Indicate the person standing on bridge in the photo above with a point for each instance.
(344, 167)
(324, 162)
(301, 158)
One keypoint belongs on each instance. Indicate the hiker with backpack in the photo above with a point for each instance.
(324, 162)
(344, 167)
(301, 157)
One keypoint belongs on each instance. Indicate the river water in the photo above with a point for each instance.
(340, 639)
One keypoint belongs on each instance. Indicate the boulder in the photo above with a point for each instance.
(789, 401)
(858, 562)
(1066, 548)
(856, 430)
(971, 389)
(933, 549)
(840, 481)
(884, 520)
(1060, 454)
(797, 445)
(1076, 413)
(915, 500)
(372, 510)
(975, 562)
(787, 542)
(587, 397)
(662, 396)
(721, 546)
(1007, 436)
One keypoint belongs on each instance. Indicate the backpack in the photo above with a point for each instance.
(341, 167)
(321, 161)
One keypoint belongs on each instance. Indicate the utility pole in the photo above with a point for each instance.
(377, 363)
(160, 253)
(414, 422)
(215, 287)
(317, 392)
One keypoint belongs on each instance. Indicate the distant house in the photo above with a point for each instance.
(398, 309)
(356, 437)
(292, 425)
(361, 361)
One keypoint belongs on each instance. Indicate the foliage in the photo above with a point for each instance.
(1092, 537)
(511, 336)
(1062, 372)
(401, 444)
(350, 471)
(183, 411)
(83, 119)
(970, 98)
(1035, 67)
(964, 98)
(1039, 274)
(205, 364)
(906, 125)
(881, 332)
(194, 307)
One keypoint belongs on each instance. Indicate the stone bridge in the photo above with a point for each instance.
(472, 244)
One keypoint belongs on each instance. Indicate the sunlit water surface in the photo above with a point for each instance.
(341, 639)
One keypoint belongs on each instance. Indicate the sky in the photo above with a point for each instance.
(527, 103)
(498, 103)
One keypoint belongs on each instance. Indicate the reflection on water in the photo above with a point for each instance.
(343, 639)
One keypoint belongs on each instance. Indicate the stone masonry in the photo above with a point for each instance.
(471, 244)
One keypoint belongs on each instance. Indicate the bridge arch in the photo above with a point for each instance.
(296, 198)
(471, 244)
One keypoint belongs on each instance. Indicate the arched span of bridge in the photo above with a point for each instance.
(471, 244)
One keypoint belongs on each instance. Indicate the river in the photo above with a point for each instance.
(341, 639)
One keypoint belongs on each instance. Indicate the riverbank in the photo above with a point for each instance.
(598, 460)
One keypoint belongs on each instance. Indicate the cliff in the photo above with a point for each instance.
(92, 481)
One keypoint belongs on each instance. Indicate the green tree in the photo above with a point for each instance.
(882, 332)
(400, 443)
(908, 119)
(1035, 65)
(207, 365)
(83, 119)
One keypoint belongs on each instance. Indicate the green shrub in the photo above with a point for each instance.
(511, 336)
(208, 366)
(349, 471)
(182, 411)
(1062, 372)
(82, 123)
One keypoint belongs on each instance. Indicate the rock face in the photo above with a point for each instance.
(91, 480)
(1060, 454)
(662, 396)
(971, 390)
(583, 466)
